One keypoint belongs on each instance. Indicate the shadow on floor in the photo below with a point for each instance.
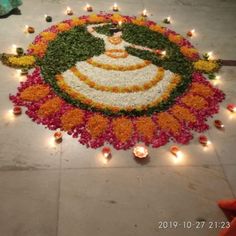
(15, 11)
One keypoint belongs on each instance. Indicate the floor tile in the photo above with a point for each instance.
(29, 201)
(133, 201)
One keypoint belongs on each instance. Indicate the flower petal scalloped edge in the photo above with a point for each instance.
(121, 132)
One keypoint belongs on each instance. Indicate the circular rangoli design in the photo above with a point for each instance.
(105, 82)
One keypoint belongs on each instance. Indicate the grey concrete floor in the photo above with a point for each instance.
(68, 190)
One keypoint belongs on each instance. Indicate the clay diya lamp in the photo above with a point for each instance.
(106, 152)
(218, 124)
(140, 151)
(17, 110)
(58, 137)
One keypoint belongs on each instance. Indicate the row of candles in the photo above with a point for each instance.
(140, 150)
(115, 8)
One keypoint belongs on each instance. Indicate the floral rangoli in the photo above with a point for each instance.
(104, 82)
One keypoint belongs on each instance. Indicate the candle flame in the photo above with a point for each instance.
(144, 12)
(163, 53)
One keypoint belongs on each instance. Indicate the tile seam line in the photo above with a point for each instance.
(59, 193)
(224, 173)
(123, 167)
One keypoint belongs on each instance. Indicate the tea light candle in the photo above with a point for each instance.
(176, 151)
(13, 48)
(106, 151)
(218, 124)
(115, 7)
(167, 20)
(58, 137)
(210, 55)
(204, 140)
(140, 151)
(191, 33)
(231, 107)
(144, 13)
(120, 23)
(89, 8)
(163, 53)
(69, 11)
(17, 110)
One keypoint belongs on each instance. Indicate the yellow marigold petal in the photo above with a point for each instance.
(63, 27)
(22, 61)
(204, 65)
(76, 21)
(35, 92)
(93, 18)
(48, 36)
(72, 118)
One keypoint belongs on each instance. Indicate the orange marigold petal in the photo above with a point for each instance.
(35, 92)
(201, 89)
(97, 125)
(183, 114)
(72, 118)
(145, 127)
(188, 52)
(194, 101)
(49, 107)
(123, 129)
(168, 123)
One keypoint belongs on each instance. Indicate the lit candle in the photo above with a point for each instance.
(210, 55)
(163, 53)
(26, 28)
(176, 151)
(106, 151)
(144, 13)
(69, 11)
(58, 137)
(17, 110)
(115, 7)
(191, 33)
(140, 151)
(231, 107)
(167, 20)
(89, 8)
(13, 48)
(218, 124)
(204, 140)
(120, 23)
